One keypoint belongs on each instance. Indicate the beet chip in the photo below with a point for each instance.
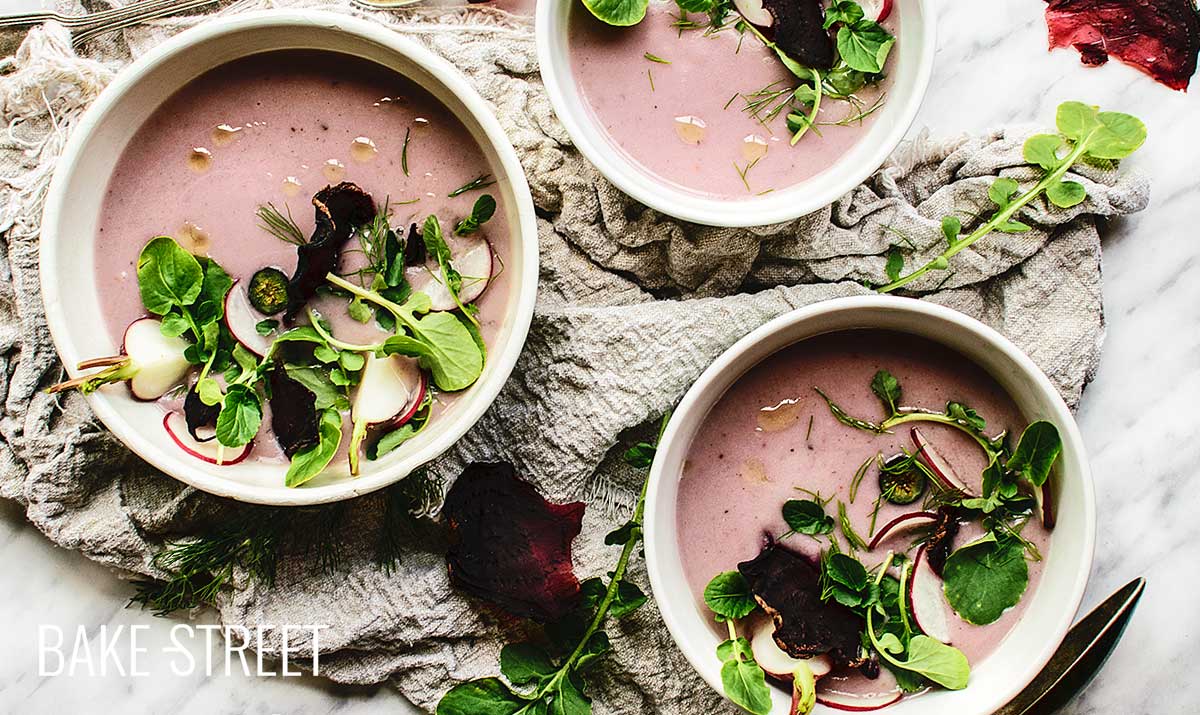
(509, 546)
(1159, 37)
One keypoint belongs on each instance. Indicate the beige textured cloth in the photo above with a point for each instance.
(633, 305)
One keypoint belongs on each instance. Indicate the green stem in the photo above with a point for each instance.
(999, 219)
(398, 311)
(812, 115)
(340, 345)
(939, 418)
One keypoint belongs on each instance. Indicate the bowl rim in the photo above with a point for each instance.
(479, 111)
(699, 397)
(777, 207)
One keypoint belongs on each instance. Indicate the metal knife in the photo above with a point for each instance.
(1081, 655)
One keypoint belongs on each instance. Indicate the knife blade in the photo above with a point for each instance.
(1080, 656)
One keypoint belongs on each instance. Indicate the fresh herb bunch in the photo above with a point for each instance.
(1085, 135)
(539, 679)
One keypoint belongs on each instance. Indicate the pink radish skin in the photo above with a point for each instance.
(882, 8)
(778, 664)
(858, 703)
(414, 405)
(938, 465)
(242, 320)
(925, 593)
(176, 425)
(904, 522)
(159, 360)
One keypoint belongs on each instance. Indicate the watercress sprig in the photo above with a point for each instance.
(534, 682)
(1085, 135)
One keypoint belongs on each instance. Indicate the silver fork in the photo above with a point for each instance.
(87, 27)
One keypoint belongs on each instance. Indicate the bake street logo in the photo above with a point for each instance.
(123, 651)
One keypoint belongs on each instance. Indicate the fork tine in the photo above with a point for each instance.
(150, 10)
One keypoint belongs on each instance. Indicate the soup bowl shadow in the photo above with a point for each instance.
(1052, 606)
(72, 214)
(913, 66)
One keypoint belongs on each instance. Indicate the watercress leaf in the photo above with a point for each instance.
(743, 681)
(351, 361)
(1119, 136)
(209, 391)
(966, 415)
(168, 276)
(985, 578)
(481, 213)
(210, 304)
(359, 310)
(1001, 191)
(1076, 120)
(864, 45)
(597, 645)
(623, 534)
(174, 325)
(846, 570)
(487, 696)
(240, 416)
(1036, 452)
(524, 663)
(1066, 194)
(451, 354)
(338, 377)
(843, 11)
(591, 592)
(993, 477)
(728, 595)
(640, 455)
(895, 263)
(325, 354)
(951, 228)
(303, 334)
(266, 327)
(890, 643)
(567, 698)
(246, 361)
(317, 381)
(908, 681)
(628, 599)
(1042, 150)
(621, 13)
(309, 462)
(1013, 227)
(392, 440)
(943, 664)
(805, 516)
(792, 65)
(887, 388)
(695, 5)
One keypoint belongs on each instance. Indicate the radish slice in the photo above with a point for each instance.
(1045, 505)
(388, 389)
(472, 258)
(858, 703)
(937, 464)
(778, 663)
(157, 360)
(176, 425)
(929, 607)
(903, 523)
(414, 405)
(242, 321)
(754, 12)
(877, 10)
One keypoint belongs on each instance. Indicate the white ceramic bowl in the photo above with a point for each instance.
(1051, 606)
(73, 210)
(912, 59)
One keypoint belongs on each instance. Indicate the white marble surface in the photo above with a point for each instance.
(1140, 417)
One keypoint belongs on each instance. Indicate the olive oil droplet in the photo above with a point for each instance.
(200, 160)
(754, 147)
(776, 418)
(224, 134)
(363, 149)
(291, 186)
(334, 171)
(195, 239)
(690, 129)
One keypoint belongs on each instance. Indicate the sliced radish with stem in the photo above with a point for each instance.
(211, 452)
(776, 662)
(472, 257)
(877, 10)
(753, 12)
(151, 362)
(242, 320)
(926, 595)
(903, 523)
(389, 388)
(938, 465)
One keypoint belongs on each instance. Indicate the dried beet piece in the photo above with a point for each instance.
(1159, 37)
(415, 252)
(293, 413)
(340, 210)
(941, 540)
(197, 414)
(799, 30)
(787, 586)
(509, 546)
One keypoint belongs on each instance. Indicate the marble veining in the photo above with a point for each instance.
(1139, 418)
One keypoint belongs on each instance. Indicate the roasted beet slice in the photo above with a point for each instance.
(414, 247)
(941, 539)
(340, 210)
(293, 413)
(787, 586)
(799, 30)
(1159, 37)
(509, 546)
(199, 415)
